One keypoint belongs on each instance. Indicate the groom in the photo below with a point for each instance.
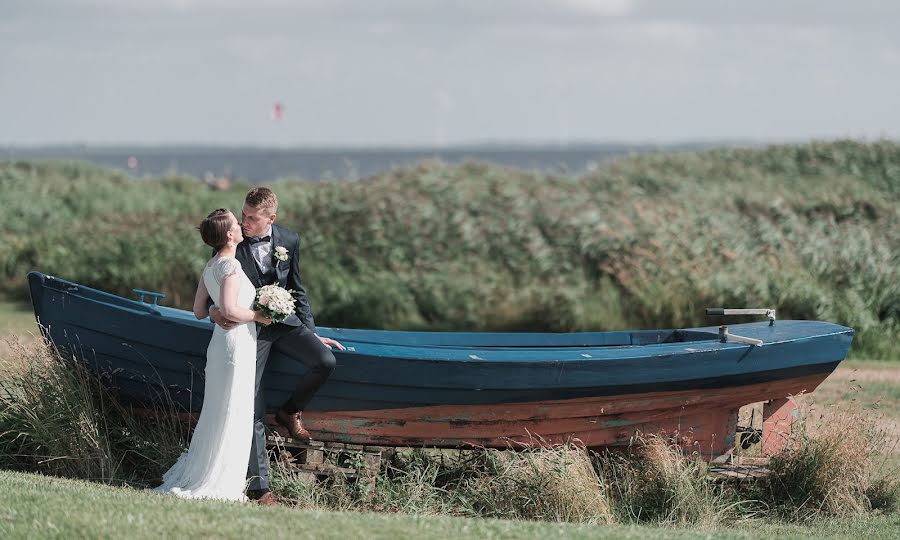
(263, 258)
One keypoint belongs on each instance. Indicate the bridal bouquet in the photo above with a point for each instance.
(275, 302)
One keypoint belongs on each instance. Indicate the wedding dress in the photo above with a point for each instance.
(215, 465)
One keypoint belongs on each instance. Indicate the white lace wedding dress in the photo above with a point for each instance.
(215, 465)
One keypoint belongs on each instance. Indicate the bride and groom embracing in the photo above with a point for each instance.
(230, 431)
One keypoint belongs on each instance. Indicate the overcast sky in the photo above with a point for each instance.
(423, 72)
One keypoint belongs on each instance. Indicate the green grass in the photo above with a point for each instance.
(875, 385)
(16, 318)
(870, 363)
(39, 506)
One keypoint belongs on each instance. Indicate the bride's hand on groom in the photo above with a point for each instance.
(216, 316)
(262, 319)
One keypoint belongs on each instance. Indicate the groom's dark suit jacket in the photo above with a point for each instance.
(287, 273)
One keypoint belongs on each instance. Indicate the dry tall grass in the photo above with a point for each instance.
(550, 484)
(58, 418)
(832, 467)
(655, 481)
(555, 483)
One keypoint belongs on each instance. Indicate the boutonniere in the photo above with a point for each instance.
(280, 253)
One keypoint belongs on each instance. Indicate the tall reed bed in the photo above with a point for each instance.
(646, 242)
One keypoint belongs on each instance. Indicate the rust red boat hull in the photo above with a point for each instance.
(704, 421)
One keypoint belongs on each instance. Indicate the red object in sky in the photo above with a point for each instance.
(277, 111)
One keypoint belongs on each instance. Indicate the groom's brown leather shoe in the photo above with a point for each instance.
(262, 497)
(292, 423)
(266, 499)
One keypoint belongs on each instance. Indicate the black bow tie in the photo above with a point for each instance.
(256, 239)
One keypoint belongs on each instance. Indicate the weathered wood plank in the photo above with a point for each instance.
(738, 472)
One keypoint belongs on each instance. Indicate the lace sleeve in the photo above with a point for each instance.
(227, 267)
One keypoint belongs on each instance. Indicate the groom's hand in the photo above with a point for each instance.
(216, 316)
(330, 343)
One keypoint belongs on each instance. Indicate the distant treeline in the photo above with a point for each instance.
(645, 242)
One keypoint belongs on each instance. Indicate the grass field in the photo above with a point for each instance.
(873, 386)
(16, 319)
(37, 506)
(876, 385)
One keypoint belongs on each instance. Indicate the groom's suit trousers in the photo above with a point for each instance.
(302, 345)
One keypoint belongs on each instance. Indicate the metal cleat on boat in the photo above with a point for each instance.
(154, 296)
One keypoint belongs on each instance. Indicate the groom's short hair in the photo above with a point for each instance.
(262, 198)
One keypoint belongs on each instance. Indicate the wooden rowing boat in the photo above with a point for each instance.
(451, 389)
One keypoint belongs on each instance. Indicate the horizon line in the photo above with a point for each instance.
(467, 145)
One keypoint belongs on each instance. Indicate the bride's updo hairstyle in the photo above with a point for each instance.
(214, 229)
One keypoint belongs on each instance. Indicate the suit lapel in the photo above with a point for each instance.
(247, 263)
(281, 267)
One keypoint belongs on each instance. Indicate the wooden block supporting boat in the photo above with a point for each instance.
(313, 461)
(741, 469)
(779, 417)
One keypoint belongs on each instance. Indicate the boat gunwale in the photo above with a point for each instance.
(461, 353)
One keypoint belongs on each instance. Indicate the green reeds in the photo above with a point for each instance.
(646, 242)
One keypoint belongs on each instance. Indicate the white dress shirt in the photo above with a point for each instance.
(262, 252)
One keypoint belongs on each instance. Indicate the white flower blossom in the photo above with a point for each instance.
(280, 253)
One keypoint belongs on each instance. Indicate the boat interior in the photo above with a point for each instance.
(519, 339)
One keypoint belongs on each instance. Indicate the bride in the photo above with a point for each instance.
(215, 465)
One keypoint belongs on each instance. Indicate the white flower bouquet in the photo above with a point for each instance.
(275, 302)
